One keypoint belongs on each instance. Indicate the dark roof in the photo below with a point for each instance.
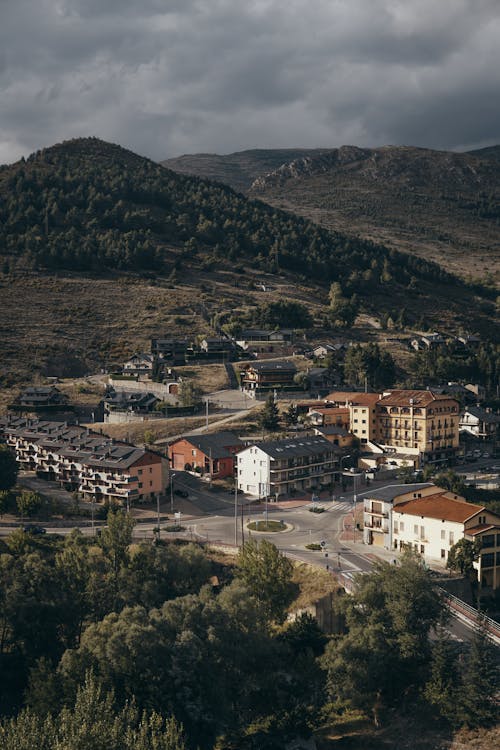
(387, 494)
(131, 398)
(299, 446)
(281, 366)
(483, 415)
(89, 448)
(332, 429)
(216, 444)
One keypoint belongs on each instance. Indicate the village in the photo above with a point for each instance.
(308, 441)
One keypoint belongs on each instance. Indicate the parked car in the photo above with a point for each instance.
(34, 530)
(181, 493)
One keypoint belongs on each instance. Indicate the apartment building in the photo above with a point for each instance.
(281, 467)
(86, 462)
(421, 424)
(431, 525)
(377, 510)
(362, 412)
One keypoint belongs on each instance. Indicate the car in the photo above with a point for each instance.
(486, 455)
(181, 493)
(36, 530)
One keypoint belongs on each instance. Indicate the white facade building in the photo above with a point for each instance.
(280, 467)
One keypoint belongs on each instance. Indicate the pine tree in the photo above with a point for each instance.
(269, 416)
(477, 705)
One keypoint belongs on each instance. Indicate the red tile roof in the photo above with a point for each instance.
(352, 397)
(483, 527)
(419, 398)
(439, 506)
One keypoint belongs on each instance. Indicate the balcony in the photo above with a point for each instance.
(383, 528)
(378, 513)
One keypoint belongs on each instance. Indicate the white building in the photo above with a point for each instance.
(480, 423)
(281, 467)
(431, 525)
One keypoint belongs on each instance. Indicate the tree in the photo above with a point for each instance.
(442, 688)
(8, 468)
(93, 722)
(267, 573)
(369, 363)
(269, 416)
(291, 415)
(386, 649)
(343, 311)
(28, 503)
(477, 700)
(116, 538)
(189, 394)
(462, 556)
(5, 500)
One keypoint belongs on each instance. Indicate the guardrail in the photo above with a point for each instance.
(472, 615)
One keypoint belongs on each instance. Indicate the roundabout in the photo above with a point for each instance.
(268, 527)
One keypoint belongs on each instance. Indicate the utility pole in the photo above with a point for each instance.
(236, 511)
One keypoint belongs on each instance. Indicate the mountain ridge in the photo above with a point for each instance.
(440, 205)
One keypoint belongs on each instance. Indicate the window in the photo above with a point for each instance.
(139, 471)
(193, 452)
(443, 554)
(451, 538)
(488, 540)
(401, 526)
(422, 549)
(395, 527)
(151, 484)
(488, 560)
(150, 469)
(140, 485)
(422, 532)
(443, 534)
(415, 529)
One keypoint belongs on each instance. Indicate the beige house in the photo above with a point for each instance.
(432, 524)
(362, 412)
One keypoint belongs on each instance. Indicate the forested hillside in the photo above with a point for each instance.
(114, 645)
(143, 249)
(88, 205)
(435, 204)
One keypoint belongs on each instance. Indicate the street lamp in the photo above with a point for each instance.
(343, 458)
(172, 492)
(158, 514)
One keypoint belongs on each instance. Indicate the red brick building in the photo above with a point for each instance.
(208, 454)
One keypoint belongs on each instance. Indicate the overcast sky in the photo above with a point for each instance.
(166, 77)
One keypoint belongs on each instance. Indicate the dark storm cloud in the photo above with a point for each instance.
(169, 76)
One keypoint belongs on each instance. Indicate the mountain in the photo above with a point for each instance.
(438, 205)
(239, 170)
(101, 248)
